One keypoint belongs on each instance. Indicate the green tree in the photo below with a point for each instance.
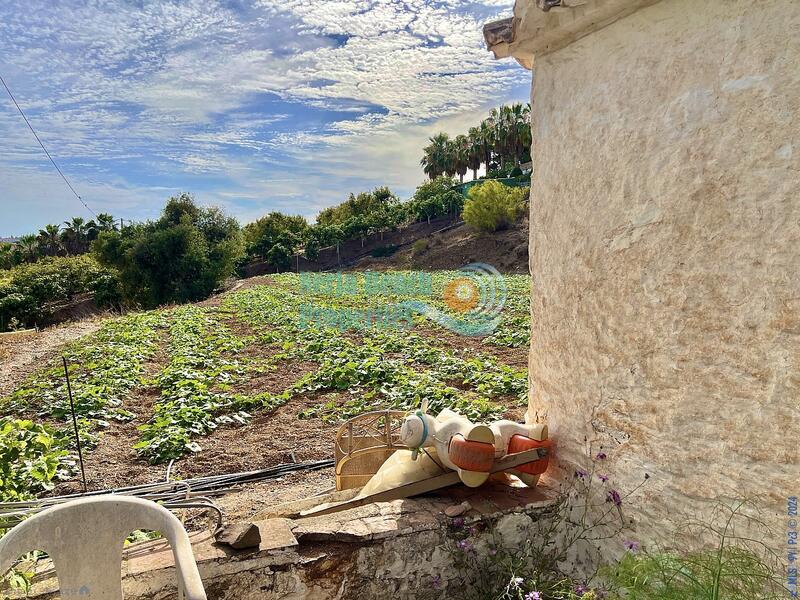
(275, 229)
(435, 198)
(279, 256)
(437, 156)
(361, 205)
(105, 222)
(475, 152)
(460, 157)
(181, 257)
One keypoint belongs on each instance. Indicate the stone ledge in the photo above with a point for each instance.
(306, 550)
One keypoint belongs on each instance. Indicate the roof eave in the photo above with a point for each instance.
(540, 27)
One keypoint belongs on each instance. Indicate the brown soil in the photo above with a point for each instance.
(22, 355)
(506, 250)
(465, 347)
(269, 439)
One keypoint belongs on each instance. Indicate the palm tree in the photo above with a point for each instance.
(436, 158)
(486, 131)
(518, 128)
(475, 154)
(497, 122)
(29, 246)
(524, 133)
(49, 240)
(76, 235)
(105, 222)
(460, 156)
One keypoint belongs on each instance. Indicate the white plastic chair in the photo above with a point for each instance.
(85, 538)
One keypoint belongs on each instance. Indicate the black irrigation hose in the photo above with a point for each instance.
(185, 493)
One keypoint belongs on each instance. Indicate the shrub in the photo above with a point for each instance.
(418, 247)
(382, 251)
(492, 206)
(27, 290)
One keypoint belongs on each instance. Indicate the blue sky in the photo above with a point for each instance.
(253, 105)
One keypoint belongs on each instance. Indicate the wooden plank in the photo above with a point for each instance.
(404, 491)
(425, 485)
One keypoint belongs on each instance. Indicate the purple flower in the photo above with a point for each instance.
(465, 545)
(631, 546)
(533, 596)
(601, 456)
(613, 496)
(458, 522)
(492, 551)
(436, 582)
(473, 530)
(581, 474)
(602, 477)
(580, 590)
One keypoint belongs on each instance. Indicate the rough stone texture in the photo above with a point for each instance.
(240, 536)
(383, 550)
(275, 534)
(665, 243)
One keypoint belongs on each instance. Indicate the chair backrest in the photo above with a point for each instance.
(85, 538)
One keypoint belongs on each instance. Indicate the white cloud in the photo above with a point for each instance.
(214, 96)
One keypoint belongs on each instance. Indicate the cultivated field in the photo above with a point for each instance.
(251, 378)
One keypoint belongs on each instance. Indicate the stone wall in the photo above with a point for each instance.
(393, 550)
(665, 244)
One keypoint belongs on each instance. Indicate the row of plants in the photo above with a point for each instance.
(500, 140)
(183, 256)
(379, 368)
(74, 238)
(488, 207)
(103, 368)
(203, 365)
(375, 368)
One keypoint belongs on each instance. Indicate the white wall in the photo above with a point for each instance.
(665, 248)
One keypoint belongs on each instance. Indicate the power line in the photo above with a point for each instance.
(69, 185)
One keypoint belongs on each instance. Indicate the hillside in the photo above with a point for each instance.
(453, 248)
